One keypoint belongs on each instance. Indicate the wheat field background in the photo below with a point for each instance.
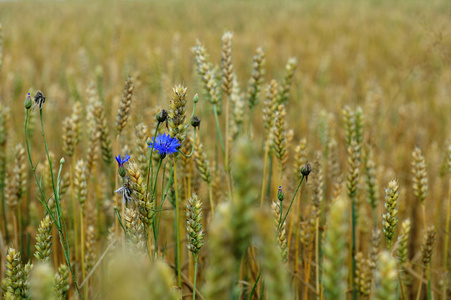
(321, 168)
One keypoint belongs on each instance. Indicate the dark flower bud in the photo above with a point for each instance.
(195, 122)
(162, 155)
(28, 101)
(280, 194)
(162, 116)
(122, 171)
(305, 171)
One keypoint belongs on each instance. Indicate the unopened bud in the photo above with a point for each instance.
(122, 171)
(196, 98)
(280, 194)
(28, 101)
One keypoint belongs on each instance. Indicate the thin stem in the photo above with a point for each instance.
(177, 220)
(168, 185)
(82, 245)
(192, 149)
(150, 167)
(353, 251)
(292, 200)
(210, 194)
(119, 218)
(251, 110)
(218, 129)
(195, 277)
(265, 167)
(445, 253)
(154, 198)
(58, 223)
(421, 285)
(317, 256)
(226, 155)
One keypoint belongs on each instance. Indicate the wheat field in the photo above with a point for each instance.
(225, 149)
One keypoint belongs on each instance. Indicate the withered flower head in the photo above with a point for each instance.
(195, 122)
(39, 99)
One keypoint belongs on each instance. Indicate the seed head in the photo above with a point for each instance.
(195, 122)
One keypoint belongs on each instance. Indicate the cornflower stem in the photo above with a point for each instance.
(119, 218)
(154, 197)
(218, 129)
(191, 118)
(150, 167)
(74, 213)
(58, 220)
(353, 250)
(192, 148)
(195, 276)
(290, 230)
(291, 203)
(265, 170)
(445, 253)
(163, 198)
(177, 220)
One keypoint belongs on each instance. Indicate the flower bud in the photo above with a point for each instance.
(122, 171)
(280, 194)
(62, 161)
(196, 98)
(28, 101)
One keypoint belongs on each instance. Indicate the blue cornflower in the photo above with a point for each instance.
(121, 161)
(165, 144)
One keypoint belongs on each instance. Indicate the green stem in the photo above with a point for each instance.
(58, 222)
(154, 198)
(265, 165)
(353, 252)
(195, 276)
(251, 110)
(168, 186)
(218, 129)
(292, 200)
(119, 218)
(150, 167)
(177, 218)
(192, 148)
(445, 253)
